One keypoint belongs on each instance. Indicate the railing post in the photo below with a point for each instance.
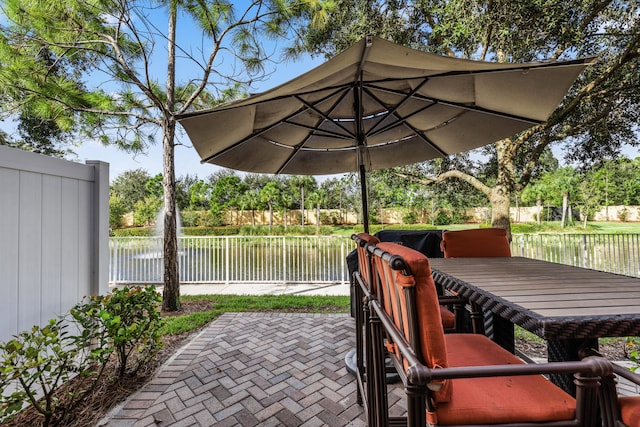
(113, 271)
(343, 259)
(226, 260)
(284, 259)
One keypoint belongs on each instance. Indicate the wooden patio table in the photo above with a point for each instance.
(570, 307)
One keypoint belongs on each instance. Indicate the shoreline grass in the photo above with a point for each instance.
(182, 323)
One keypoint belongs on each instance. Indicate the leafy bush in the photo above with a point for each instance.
(443, 218)
(279, 230)
(117, 209)
(37, 362)
(332, 218)
(411, 217)
(190, 218)
(128, 322)
(623, 215)
(633, 351)
(210, 231)
(133, 232)
(146, 211)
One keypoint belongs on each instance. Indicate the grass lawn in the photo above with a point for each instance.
(201, 309)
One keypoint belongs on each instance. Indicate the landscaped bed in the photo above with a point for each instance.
(196, 312)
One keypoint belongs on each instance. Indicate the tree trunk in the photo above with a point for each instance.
(539, 209)
(171, 291)
(270, 215)
(318, 224)
(500, 203)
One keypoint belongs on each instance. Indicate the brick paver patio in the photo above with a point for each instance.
(249, 369)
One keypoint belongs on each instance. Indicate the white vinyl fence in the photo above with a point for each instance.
(313, 259)
(54, 228)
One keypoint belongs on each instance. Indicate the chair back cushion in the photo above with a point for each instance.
(364, 260)
(480, 242)
(430, 333)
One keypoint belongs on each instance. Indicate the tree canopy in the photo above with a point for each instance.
(107, 70)
(600, 113)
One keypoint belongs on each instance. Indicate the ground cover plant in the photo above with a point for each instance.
(88, 388)
(197, 311)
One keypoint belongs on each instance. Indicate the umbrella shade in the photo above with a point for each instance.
(378, 105)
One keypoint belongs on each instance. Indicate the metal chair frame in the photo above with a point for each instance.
(417, 377)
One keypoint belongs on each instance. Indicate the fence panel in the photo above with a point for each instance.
(615, 253)
(234, 259)
(54, 223)
(322, 259)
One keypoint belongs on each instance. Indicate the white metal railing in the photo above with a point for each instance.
(322, 259)
(615, 253)
(234, 259)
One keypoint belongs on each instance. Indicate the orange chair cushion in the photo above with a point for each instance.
(630, 410)
(431, 332)
(498, 399)
(368, 238)
(364, 262)
(480, 242)
(447, 317)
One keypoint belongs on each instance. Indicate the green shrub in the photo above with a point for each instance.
(133, 232)
(190, 218)
(623, 215)
(443, 218)
(146, 211)
(128, 323)
(633, 350)
(117, 209)
(411, 217)
(37, 362)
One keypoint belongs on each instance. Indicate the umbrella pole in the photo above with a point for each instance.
(365, 203)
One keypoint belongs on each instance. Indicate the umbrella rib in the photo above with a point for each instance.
(393, 110)
(323, 116)
(456, 105)
(273, 125)
(326, 116)
(427, 140)
(247, 138)
(319, 132)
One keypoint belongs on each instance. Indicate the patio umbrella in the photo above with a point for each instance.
(378, 105)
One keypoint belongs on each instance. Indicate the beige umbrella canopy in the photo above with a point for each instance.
(378, 105)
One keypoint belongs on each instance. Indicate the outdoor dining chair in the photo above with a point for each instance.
(472, 243)
(464, 379)
(477, 242)
(367, 287)
(450, 319)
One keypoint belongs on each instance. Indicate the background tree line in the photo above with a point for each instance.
(204, 202)
(108, 71)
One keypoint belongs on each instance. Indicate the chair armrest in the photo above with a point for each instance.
(419, 374)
